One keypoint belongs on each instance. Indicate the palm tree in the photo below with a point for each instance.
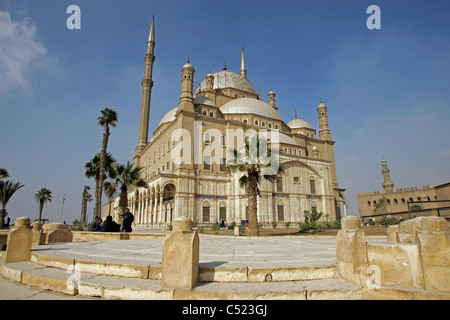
(93, 170)
(110, 189)
(126, 176)
(3, 173)
(85, 198)
(7, 189)
(108, 118)
(253, 163)
(44, 195)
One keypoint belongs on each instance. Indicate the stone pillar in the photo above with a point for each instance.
(57, 232)
(19, 241)
(351, 251)
(38, 234)
(180, 256)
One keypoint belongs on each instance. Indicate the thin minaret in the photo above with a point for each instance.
(387, 184)
(147, 85)
(243, 67)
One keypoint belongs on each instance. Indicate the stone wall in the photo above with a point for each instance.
(414, 263)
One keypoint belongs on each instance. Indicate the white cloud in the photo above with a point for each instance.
(20, 53)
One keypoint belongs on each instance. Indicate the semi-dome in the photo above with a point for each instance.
(227, 79)
(169, 116)
(204, 100)
(299, 123)
(252, 106)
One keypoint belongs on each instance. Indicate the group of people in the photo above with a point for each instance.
(110, 226)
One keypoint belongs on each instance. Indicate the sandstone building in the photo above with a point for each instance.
(184, 161)
(404, 202)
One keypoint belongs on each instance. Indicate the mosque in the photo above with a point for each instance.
(192, 180)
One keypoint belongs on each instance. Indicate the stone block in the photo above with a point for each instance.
(180, 263)
(38, 234)
(182, 224)
(392, 233)
(350, 223)
(351, 252)
(397, 265)
(19, 241)
(57, 232)
(435, 251)
(433, 224)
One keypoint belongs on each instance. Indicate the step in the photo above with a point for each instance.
(115, 287)
(208, 272)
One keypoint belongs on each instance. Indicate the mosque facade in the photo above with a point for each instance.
(184, 161)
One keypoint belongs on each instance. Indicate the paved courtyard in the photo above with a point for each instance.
(226, 252)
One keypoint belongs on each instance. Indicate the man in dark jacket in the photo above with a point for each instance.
(128, 219)
(110, 226)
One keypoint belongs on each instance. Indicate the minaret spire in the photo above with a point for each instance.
(151, 36)
(243, 67)
(147, 85)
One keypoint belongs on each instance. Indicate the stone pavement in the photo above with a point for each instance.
(215, 251)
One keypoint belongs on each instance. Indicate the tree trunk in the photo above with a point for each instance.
(83, 209)
(2, 218)
(41, 207)
(252, 206)
(99, 190)
(123, 203)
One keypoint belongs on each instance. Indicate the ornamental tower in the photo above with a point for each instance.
(186, 101)
(388, 185)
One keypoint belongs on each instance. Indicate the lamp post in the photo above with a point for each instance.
(62, 209)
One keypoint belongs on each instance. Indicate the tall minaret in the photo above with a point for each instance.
(243, 67)
(324, 129)
(388, 185)
(147, 85)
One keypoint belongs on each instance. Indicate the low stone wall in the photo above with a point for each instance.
(414, 263)
(79, 236)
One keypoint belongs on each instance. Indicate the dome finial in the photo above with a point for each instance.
(225, 65)
(295, 110)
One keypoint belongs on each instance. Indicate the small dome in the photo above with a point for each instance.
(204, 100)
(169, 116)
(188, 65)
(253, 106)
(299, 123)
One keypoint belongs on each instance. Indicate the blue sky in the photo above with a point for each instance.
(387, 90)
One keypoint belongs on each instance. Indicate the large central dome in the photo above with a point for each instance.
(227, 79)
(252, 106)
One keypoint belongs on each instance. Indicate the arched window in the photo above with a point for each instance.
(369, 203)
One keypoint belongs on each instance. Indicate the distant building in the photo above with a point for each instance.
(404, 202)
